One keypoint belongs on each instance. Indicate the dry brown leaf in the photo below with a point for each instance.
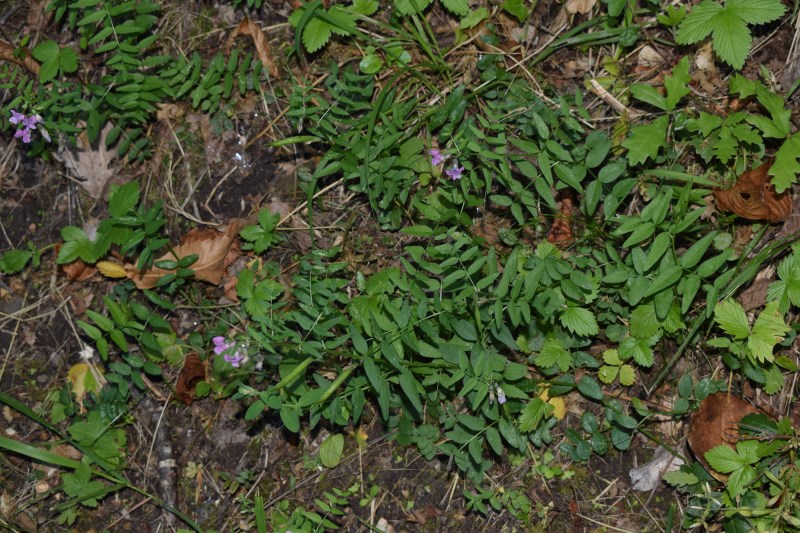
(754, 197)
(78, 270)
(716, 422)
(248, 27)
(212, 248)
(27, 60)
(579, 6)
(192, 373)
(92, 165)
(561, 230)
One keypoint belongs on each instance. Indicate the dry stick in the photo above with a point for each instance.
(11, 342)
(126, 514)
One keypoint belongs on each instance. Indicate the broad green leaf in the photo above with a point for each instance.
(553, 353)
(731, 317)
(646, 140)
(589, 388)
(666, 278)
(679, 478)
(731, 39)
(768, 331)
(457, 7)
(330, 451)
(627, 375)
(756, 11)
(579, 321)
(650, 95)
(724, 459)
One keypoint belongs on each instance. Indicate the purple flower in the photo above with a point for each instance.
(221, 345)
(30, 122)
(233, 355)
(501, 395)
(436, 157)
(16, 118)
(24, 134)
(454, 172)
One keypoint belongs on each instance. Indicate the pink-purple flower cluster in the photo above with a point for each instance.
(437, 158)
(233, 354)
(25, 125)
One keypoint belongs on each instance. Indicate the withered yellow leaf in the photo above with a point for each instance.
(111, 270)
(83, 380)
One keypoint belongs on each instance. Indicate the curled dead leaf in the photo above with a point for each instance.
(263, 49)
(192, 373)
(212, 248)
(561, 230)
(754, 197)
(78, 270)
(715, 423)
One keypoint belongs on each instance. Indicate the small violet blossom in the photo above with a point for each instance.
(223, 346)
(454, 172)
(436, 157)
(16, 118)
(501, 395)
(28, 123)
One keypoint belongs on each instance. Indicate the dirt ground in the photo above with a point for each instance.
(205, 459)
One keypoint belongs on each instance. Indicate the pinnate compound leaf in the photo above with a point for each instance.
(730, 315)
(579, 321)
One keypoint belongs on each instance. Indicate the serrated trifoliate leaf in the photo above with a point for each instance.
(732, 39)
(68, 60)
(768, 331)
(316, 34)
(123, 198)
(724, 459)
(457, 7)
(643, 322)
(611, 357)
(553, 353)
(607, 374)
(627, 375)
(730, 316)
(76, 246)
(364, 7)
(756, 11)
(637, 349)
(579, 321)
(341, 21)
(698, 23)
(46, 51)
(410, 7)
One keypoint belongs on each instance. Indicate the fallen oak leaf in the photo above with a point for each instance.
(754, 197)
(715, 423)
(211, 248)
